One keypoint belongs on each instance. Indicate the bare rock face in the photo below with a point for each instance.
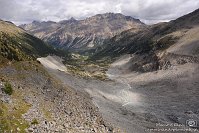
(82, 34)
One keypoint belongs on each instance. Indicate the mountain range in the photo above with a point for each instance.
(150, 74)
(82, 35)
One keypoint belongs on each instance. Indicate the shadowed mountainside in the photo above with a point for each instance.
(16, 44)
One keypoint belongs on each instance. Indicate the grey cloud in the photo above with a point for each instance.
(13, 11)
(149, 11)
(154, 11)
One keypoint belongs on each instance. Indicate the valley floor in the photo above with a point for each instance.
(138, 103)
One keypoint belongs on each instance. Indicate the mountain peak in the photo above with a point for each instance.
(112, 16)
(109, 15)
(72, 19)
(35, 22)
(69, 21)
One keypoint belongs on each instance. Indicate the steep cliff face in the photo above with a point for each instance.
(84, 34)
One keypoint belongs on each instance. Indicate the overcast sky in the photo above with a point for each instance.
(148, 11)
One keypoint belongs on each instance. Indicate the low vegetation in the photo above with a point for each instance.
(8, 88)
(34, 122)
(81, 66)
(11, 115)
(11, 112)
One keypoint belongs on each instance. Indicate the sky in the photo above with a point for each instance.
(148, 11)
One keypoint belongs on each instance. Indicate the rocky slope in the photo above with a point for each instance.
(40, 103)
(81, 35)
(31, 100)
(163, 74)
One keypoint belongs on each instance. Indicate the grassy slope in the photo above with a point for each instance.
(16, 44)
(11, 119)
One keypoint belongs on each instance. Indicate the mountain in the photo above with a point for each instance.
(160, 67)
(157, 43)
(188, 20)
(33, 100)
(17, 44)
(80, 35)
(157, 82)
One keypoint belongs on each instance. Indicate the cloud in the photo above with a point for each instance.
(152, 11)
(149, 11)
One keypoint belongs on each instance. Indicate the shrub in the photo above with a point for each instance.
(8, 88)
(34, 122)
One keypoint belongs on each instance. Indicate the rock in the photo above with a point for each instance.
(60, 127)
(1, 85)
(18, 129)
(6, 99)
(148, 67)
(30, 129)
